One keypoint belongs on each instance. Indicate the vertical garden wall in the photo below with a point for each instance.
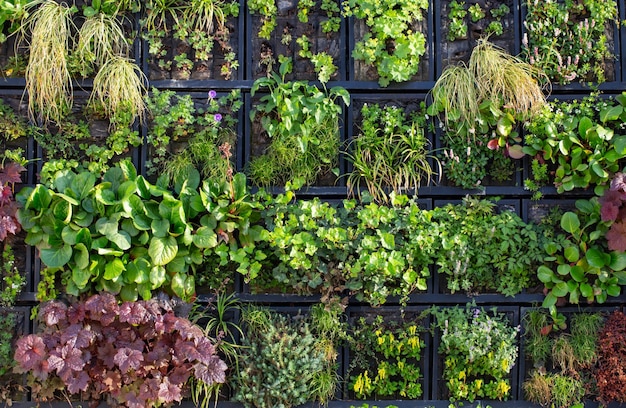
(394, 202)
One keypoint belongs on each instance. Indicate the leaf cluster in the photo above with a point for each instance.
(373, 251)
(479, 349)
(10, 173)
(484, 250)
(134, 354)
(386, 358)
(393, 45)
(302, 123)
(579, 263)
(12, 281)
(205, 129)
(584, 139)
(480, 106)
(129, 237)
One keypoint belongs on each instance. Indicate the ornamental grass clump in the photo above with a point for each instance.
(119, 87)
(48, 80)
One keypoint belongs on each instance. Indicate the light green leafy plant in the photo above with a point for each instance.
(479, 350)
(390, 22)
(302, 123)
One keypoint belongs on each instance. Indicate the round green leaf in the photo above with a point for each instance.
(113, 269)
(157, 277)
(129, 293)
(56, 257)
(595, 258)
(572, 254)
(570, 222)
(544, 274)
(162, 250)
(586, 290)
(577, 273)
(560, 289)
(81, 256)
(205, 238)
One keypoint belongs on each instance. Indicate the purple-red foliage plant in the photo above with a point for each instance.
(9, 175)
(614, 209)
(134, 354)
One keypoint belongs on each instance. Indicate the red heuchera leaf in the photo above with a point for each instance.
(149, 390)
(133, 313)
(78, 382)
(169, 392)
(106, 354)
(127, 359)
(53, 313)
(611, 202)
(66, 360)
(132, 400)
(212, 372)
(618, 183)
(616, 237)
(11, 173)
(103, 308)
(205, 347)
(180, 375)
(30, 351)
(6, 195)
(76, 313)
(186, 351)
(77, 336)
(8, 225)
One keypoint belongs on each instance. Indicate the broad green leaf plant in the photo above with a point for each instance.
(129, 237)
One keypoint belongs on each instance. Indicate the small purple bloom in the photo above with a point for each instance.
(217, 117)
(212, 94)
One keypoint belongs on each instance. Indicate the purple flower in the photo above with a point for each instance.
(217, 117)
(212, 94)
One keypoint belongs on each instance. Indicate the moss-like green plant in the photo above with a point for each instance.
(48, 80)
(119, 86)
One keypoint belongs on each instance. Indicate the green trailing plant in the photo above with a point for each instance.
(11, 14)
(567, 40)
(373, 251)
(302, 123)
(209, 132)
(579, 265)
(393, 44)
(11, 385)
(212, 138)
(268, 11)
(386, 358)
(480, 249)
(480, 106)
(49, 28)
(583, 140)
(198, 24)
(12, 281)
(479, 350)
(390, 153)
(97, 349)
(279, 362)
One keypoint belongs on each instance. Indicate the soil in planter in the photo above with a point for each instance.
(460, 49)
(264, 53)
(170, 57)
